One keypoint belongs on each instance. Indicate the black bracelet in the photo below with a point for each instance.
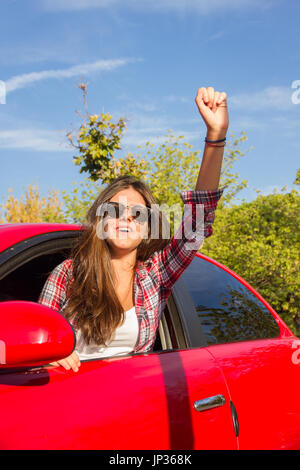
(215, 141)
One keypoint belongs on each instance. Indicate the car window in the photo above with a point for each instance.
(25, 267)
(225, 308)
(27, 279)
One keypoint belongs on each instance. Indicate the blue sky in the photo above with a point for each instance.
(144, 60)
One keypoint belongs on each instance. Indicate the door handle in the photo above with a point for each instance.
(209, 402)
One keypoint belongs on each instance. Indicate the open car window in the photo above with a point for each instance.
(24, 271)
(25, 267)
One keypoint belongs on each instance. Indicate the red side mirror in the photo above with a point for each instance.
(32, 334)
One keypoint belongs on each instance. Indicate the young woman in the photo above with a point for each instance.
(115, 284)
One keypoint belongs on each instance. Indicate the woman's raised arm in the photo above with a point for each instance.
(170, 262)
(212, 106)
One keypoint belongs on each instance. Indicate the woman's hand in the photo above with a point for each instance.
(70, 362)
(212, 106)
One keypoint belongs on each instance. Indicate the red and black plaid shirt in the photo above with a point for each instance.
(155, 277)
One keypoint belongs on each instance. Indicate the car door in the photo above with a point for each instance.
(255, 349)
(143, 401)
(264, 384)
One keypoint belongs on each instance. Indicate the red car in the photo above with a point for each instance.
(224, 373)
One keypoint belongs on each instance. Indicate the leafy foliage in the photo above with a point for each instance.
(77, 203)
(98, 139)
(169, 168)
(96, 143)
(31, 208)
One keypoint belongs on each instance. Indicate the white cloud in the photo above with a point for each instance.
(20, 53)
(156, 136)
(200, 6)
(215, 36)
(76, 4)
(272, 97)
(247, 122)
(149, 119)
(33, 139)
(176, 99)
(271, 188)
(142, 128)
(21, 81)
(144, 103)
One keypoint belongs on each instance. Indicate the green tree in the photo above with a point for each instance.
(96, 143)
(168, 168)
(78, 202)
(31, 207)
(297, 179)
(173, 167)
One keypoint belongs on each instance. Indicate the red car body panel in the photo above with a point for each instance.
(14, 233)
(142, 402)
(146, 401)
(264, 383)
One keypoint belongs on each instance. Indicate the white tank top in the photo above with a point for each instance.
(123, 341)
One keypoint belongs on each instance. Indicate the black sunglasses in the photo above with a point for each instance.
(115, 210)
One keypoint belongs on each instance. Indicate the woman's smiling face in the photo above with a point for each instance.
(125, 233)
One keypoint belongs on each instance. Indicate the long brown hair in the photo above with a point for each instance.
(92, 300)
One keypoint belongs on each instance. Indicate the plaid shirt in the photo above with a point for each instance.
(155, 277)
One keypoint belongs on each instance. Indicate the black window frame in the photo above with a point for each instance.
(24, 251)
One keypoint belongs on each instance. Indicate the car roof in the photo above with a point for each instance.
(14, 233)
